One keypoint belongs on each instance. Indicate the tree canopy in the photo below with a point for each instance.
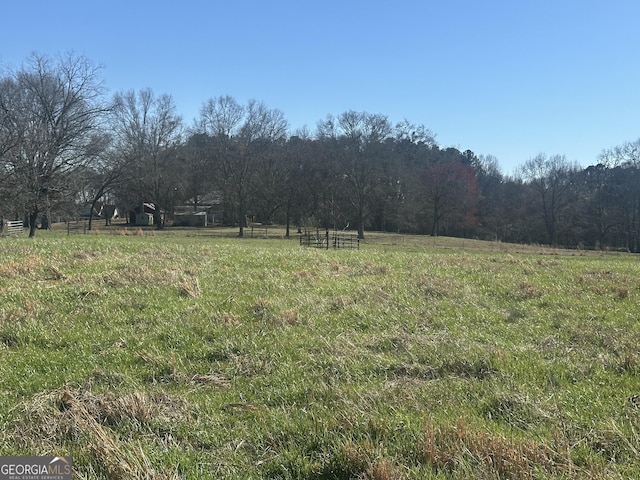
(65, 142)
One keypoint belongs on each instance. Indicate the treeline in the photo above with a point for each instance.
(64, 143)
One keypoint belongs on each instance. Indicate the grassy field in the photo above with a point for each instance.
(174, 356)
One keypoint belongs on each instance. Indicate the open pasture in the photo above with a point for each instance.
(194, 357)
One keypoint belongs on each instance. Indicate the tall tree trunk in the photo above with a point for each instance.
(157, 219)
(435, 226)
(33, 222)
(360, 221)
(241, 218)
(288, 219)
(93, 206)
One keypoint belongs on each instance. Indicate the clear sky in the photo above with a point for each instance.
(508, 78)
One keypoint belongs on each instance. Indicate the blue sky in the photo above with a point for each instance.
(510, 79)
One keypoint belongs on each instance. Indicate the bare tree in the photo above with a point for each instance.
(146, 127)
(197, 168)
(623, 185)
(220, 120)
(242, 137)
(360, 140)
(102, 179)
(627, 154)
(552, 180)
(51, 112)
(450, 194)
(9, 116)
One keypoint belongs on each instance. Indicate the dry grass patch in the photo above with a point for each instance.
(382, 470)
(166, 371)
(290, 317)
(207, 380)
(21, 268)
(304, 275)
(211, 379)
(89, 421)
(605, 282)
(12, 315)
(365, 460)
(189, 287)
(466, 449)
(141, 408)
(621, 292)
(342, 302)
(125, 232)
(85, 256)
(437, 287)
(264, 310)
(228, 319)
(370, 268)
(527, 291)
(131, 275)
(142, 275)
(54, 273)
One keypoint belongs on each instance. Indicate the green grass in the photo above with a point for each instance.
(170, 356)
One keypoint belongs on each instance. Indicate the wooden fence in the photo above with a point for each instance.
(12, 228)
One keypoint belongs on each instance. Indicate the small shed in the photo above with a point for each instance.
(143, 220)
(142, 215)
